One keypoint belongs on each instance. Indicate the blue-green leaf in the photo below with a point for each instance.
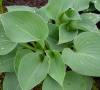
(86, 57)
(97, 4)
(50, 84)
(94, 18)
(57, 67)
(6, 45)
(32, 70)
(24, 26)
(77, 82)
(53, 38)
(86, 25)
(20, 8)
(66, 35)
(19, 54)
(10, 82)
(6, 62)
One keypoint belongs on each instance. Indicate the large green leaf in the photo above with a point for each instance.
(20, 8)
(19, 54)
(66, 35)
(50, 84)
(32, 70)
(77, 82)
(57, 67)
(43, 13)
(53, 8)
(86, 57)
(95, 18)
(6, 62)
(10, 82)
(6, 45)
(56, 7)
(78, 5)
(24, 26)
(72, 80)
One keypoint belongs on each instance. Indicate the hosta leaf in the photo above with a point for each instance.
(6, 62)
(86, 58)
(50, 84)
(24, 26)
(66, 35)
(53, 7)
(19, 54)
(77, 82)
(42, 43)
(80, 4)
(97, 4)
(10, 82)
(20, 8)
(53, 44)
(53, 38)
(71, 14)
(83, 82)
(56, 7)
(87, 25)
(43, 13)
(6, 45)
(57, 67)
(32, 70)
(95, 18)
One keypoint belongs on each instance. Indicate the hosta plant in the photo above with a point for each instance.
(57, 46)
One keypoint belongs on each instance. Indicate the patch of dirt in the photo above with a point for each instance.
(32, 3)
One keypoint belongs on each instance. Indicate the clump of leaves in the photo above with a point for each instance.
(37, 46)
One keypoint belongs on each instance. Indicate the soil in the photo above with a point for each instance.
(39, 3)
(32, 3)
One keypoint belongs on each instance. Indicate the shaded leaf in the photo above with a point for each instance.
(53, 38)
(6, 62)
(77, 81)
(10, 82)
(19, 54)
(97, 4)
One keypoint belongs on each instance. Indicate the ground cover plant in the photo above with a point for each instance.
(56, 46)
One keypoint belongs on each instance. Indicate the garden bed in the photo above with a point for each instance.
(40, 3)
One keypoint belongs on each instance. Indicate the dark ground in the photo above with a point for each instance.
(32, 3)
(39, 3)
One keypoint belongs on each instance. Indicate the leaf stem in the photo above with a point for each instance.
(28, 46)
(1, 6)
(33, 44)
